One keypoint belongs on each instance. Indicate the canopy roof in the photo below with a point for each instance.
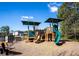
(30, 23)
(54, 20)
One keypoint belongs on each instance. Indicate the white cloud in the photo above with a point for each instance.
(53, 8)
(26, 17)
(31, 17)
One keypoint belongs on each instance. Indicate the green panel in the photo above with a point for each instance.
(54, 20)
(31, 34)
(30, 23)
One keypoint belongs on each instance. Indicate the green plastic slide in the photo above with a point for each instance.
(58, 37)
(57, 34)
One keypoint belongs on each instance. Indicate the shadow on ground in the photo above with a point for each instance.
(14, 53)
(61, 42)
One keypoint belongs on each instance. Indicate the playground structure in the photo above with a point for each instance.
(31, 34)
(55, 30)
(50, 34)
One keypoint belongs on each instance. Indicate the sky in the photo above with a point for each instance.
(12, 13)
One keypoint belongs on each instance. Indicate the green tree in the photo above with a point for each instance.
(5, 30)
(69, 12)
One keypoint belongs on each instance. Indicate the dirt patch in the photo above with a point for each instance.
(46, 49)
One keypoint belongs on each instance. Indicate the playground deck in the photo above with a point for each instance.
(45, 49)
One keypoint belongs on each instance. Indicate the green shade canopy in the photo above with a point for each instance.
(54, 20)
(30, 23)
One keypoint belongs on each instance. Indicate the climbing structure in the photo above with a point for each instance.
(31, 34)
(49, 35)
(55, 30)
